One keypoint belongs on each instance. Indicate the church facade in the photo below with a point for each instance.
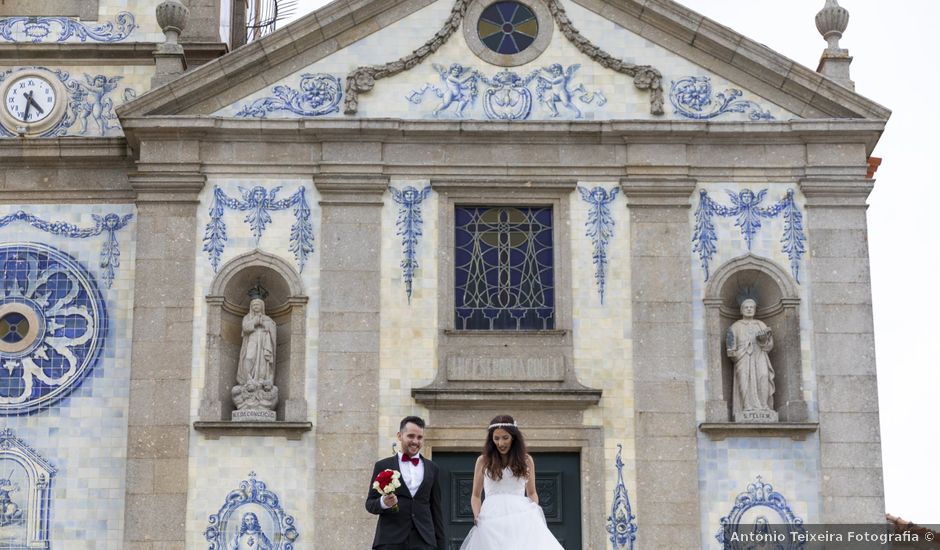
(637, 232)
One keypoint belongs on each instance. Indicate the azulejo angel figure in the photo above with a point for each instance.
(459, 86)
(96, 103)
(554, 88)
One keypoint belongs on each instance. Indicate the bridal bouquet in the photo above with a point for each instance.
(386, 483)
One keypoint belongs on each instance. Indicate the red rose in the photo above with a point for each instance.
(384, 478)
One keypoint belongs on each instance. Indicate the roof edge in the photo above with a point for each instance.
(755, 59)
(326, 23)
(344, 22)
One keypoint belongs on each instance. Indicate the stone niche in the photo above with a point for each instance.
(778, 306)
(226, 304)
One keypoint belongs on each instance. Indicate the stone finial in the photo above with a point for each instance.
(831, 22)
(170, 59)
(172, 17)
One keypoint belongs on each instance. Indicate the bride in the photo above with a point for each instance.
(510, 517)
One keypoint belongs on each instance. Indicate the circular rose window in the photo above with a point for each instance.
(507, 28)
(507, 33)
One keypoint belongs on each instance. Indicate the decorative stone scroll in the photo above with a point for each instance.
(362, 79)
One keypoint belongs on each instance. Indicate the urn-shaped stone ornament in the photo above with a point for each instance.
(831, 22)
(172, 17)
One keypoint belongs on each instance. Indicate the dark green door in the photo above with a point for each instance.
(557, 479)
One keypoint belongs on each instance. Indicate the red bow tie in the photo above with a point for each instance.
(407, 458)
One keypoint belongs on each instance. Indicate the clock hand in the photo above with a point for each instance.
(29, 104)
(29, 98)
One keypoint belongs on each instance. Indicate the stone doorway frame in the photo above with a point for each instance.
(464, 431)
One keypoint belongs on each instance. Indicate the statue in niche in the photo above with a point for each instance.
(255, 395)
(748, 343)
(250, 536)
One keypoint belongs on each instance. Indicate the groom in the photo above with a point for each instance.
(418, 524)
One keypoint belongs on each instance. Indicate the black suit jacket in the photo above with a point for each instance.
(423, 510)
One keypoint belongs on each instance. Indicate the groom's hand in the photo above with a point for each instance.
(390, 500)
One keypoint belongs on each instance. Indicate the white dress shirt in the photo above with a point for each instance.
(411, 475)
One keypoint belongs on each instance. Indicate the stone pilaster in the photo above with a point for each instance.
(661, 288)
(161, 364)
(348, 359)
(844, 346)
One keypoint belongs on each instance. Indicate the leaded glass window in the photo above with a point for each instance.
(507, 27)
(504, 268)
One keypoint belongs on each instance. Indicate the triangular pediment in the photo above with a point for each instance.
(576, 59)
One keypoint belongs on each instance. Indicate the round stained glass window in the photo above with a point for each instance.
(507, 28)
(14, 327)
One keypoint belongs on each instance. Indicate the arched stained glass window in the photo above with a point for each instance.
(504, 268)
(507, 27)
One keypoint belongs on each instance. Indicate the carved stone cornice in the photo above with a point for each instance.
(362, 79)
(167, 187)
(649, 192)
(351, 188)
(719, 431)
(832, 192)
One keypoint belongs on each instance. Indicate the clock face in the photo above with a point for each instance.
(30, 99)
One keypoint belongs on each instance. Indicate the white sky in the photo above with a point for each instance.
(895, 45)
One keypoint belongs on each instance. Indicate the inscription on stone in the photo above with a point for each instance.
(506, 368)
(757, 417)
(248, 415)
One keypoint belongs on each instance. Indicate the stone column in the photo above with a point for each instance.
(348, 358)
(664, 390)
(844, 350)
(161, 364)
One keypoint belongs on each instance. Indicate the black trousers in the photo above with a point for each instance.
(414, 542)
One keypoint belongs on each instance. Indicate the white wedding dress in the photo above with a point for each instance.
(508, 519)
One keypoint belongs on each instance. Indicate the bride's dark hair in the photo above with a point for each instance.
(493, 462)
